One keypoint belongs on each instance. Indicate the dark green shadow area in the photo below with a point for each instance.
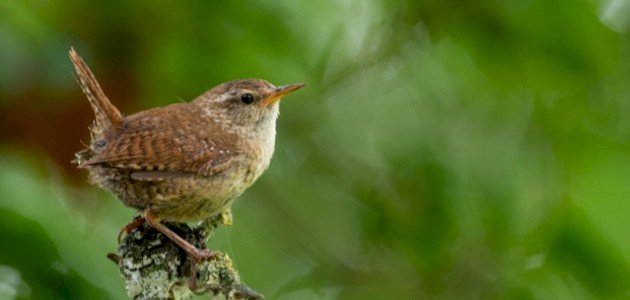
(579, 250)
(36, 259)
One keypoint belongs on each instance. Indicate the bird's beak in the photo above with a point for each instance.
(280, 92)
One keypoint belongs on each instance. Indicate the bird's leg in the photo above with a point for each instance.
(131, 226)
(195, 254)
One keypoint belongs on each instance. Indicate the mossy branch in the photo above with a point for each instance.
(153, 267)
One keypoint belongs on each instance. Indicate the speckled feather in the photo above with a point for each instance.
(166, 139)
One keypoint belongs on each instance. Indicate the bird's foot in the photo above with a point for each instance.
(137, 222)
(195, 257)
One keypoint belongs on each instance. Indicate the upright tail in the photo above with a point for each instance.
(107, 116)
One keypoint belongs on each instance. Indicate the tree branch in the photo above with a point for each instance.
(153, 267)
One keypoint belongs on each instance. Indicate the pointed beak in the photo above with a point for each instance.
(280, 92)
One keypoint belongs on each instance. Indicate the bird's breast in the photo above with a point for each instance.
(261, 152)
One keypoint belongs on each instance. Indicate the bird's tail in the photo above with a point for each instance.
(106, 115)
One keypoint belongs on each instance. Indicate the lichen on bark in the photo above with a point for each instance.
(153, 267)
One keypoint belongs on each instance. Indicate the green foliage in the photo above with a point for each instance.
(441, 149)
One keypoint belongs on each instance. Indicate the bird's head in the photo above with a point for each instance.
(249, 104)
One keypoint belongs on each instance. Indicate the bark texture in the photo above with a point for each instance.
(153, 267)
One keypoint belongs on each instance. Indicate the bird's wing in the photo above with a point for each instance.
(156, 147)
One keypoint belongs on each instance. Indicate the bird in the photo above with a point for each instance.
(186, 161)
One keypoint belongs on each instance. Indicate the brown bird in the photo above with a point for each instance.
(185, 161)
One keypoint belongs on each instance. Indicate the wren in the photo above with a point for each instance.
(185, 161)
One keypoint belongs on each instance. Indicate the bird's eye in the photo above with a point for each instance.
(247, 98)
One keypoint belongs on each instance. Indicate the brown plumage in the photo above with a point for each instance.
(106, 115)
(185, 161)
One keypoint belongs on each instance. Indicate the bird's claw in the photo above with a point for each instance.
(137, 222)
(195, 258)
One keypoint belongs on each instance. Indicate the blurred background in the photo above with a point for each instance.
(441, 149)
